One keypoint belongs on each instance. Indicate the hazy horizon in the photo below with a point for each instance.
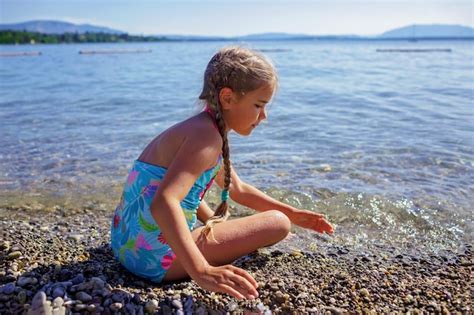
(239, 18)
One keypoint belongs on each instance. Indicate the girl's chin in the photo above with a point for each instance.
(245, 132)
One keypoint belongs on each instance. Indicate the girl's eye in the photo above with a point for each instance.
(258, 106)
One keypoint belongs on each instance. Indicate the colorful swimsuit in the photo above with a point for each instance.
(137, 241)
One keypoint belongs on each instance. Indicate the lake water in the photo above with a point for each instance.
(383, 143)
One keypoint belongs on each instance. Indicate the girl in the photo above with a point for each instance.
(152, 228)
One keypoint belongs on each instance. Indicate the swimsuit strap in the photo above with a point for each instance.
(213, 116)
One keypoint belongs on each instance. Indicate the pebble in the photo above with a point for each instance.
(14, 255)
(232, 306)
(364, 292)
(324, 167)
(58, 302)
(177, 304)
(409, 299)
(75, 237)
(78, 279)
(116, 306)
(24, 281)
(83, 296)
(58, 292)
(151, 306)
(8, 288)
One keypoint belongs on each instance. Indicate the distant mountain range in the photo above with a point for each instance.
(57, 27)
(429, 31)
(435, 31)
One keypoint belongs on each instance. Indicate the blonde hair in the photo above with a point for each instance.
(242, 70)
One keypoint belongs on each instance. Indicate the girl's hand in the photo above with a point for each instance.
(228, 279)
(313, 221)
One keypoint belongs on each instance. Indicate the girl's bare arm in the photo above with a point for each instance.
(249, 196)
(204, 212)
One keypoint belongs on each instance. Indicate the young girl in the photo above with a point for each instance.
(153, 233)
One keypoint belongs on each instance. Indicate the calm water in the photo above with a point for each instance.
(395, 129)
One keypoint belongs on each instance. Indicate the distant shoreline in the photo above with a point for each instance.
(9, 37)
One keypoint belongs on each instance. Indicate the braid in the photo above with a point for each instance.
(242, 70)
(222, 212)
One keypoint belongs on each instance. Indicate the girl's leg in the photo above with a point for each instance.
(236, 238)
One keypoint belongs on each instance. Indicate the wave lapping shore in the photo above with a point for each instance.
(58, 261)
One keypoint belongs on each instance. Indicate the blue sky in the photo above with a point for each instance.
(231, 17)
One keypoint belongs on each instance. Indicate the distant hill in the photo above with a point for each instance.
(437, 31)
(430, 31)
(57, 27)
(274, 36)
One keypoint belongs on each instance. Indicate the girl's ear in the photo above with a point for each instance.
(226, 97)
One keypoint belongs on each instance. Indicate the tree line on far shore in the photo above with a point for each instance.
(23, 37)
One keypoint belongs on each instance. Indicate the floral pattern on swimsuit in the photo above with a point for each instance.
(136, 239)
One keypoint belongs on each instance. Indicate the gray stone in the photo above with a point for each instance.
(80, 307)
(97, 283)
(58, 302)
(177, 304)
(75, 237)
(8, 288)
(59, 311)
(130, 309)
(24, 281)
(91, 308)
(83, 296)
(58, 292)
(116, 306)
(78, 279)
(21, 297)
(151, 306)
(232, 306)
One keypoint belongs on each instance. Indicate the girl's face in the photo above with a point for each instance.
(242, 113)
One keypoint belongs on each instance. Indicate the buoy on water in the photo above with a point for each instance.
(416, 50)
(114, 51)
(19, 53)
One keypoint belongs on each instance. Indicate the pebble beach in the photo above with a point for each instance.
(57, 260)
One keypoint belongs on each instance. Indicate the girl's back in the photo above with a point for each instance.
(162, 150)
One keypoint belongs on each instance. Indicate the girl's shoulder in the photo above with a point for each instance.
(201, 128)
(194, 135)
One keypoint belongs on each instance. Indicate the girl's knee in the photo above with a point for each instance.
(279, 224)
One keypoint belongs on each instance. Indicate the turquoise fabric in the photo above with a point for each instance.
(136, 239)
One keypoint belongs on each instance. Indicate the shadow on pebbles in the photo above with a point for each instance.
(58, 261)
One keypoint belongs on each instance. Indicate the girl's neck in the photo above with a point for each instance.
(212, 113)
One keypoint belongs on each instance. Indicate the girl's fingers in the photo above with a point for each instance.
(246, 275)
(224, 288)
(244, 284)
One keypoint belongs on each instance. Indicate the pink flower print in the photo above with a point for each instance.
(167, 260)
(141, 243)
(116, 220)
(201, 195)
(150, 189)
(162, 239)
(131, 177)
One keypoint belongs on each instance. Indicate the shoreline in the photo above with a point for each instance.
(65, 253)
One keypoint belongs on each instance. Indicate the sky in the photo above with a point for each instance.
(232, 17)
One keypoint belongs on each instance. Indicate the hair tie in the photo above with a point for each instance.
(225, 194)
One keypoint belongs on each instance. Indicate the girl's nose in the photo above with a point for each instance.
(263, 114)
